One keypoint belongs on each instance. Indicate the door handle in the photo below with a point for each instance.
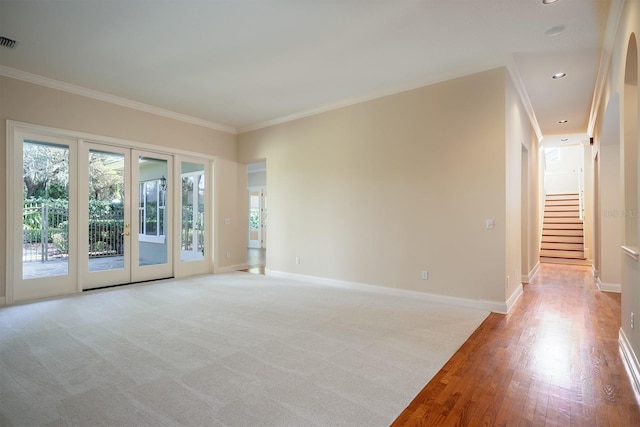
(126, 233)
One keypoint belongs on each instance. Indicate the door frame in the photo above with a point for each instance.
(261, 189)
(88, 279)
(14, 198)
(190, 268)
(40, 287)
(140, 273)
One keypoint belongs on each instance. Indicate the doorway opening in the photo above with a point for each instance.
(257, 217)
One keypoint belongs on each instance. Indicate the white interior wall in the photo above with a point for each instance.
(611, 220)
(376, 192)
(562, 175)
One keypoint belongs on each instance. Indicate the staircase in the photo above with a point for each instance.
(562, 231)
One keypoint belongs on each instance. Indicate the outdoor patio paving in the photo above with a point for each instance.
(59, 266)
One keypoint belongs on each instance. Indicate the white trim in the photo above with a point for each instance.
(442, 77)
(534, 271)
(631, 251)
(524, 96)
(112, 99)
(513, 299)
(101, 139)
(508, 63)
(608, 287)
(10, 217)
(198, 266)
(629, 358)
(494, 306)
(615, 13)
(527, 278)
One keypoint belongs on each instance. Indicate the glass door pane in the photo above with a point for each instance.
(105, 240)
(107, 227)
(42, 235)
(45, 210)
(255, 219)
(151, 232)
(192, 212)
(152, 211)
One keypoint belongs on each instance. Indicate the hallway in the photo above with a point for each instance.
(554, 360)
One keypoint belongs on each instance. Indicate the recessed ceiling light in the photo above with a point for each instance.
(549, 1)
(554, 31)
(562, 121)
(558, 75)
(564, 139)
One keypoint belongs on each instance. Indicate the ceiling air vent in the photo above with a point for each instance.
(7, 42)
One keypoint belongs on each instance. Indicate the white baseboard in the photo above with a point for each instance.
(486, 305)
(608, 287)
(230, 268)
(526, 278)
(629, 358)
(534, 271)
(511, 301)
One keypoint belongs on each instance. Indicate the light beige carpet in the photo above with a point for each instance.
(222, 350)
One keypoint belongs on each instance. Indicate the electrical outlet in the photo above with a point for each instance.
(228, 254)
(425, 275)
(632, 320)
(298, 260)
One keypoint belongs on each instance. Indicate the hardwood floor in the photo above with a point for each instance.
(554, 361)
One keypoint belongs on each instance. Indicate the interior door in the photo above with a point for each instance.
(125, 216)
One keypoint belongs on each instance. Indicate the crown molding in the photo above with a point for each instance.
(615, 13)
(438, 78)
(112, 99)
(512, 68)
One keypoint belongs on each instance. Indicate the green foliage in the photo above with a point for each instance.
(106, 224)
(33, 222)
(254, 220)
(60, 236)
(45, 171)
(106, 235)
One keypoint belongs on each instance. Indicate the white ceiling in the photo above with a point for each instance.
(246, 63)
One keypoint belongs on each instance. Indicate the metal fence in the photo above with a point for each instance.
(106, 228)
(45, 231)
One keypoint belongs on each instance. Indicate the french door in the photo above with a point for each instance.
(194, 249)
(87, 214)
(41, 237)
(125, 215)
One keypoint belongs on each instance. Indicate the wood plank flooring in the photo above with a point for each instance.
(553, 361)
